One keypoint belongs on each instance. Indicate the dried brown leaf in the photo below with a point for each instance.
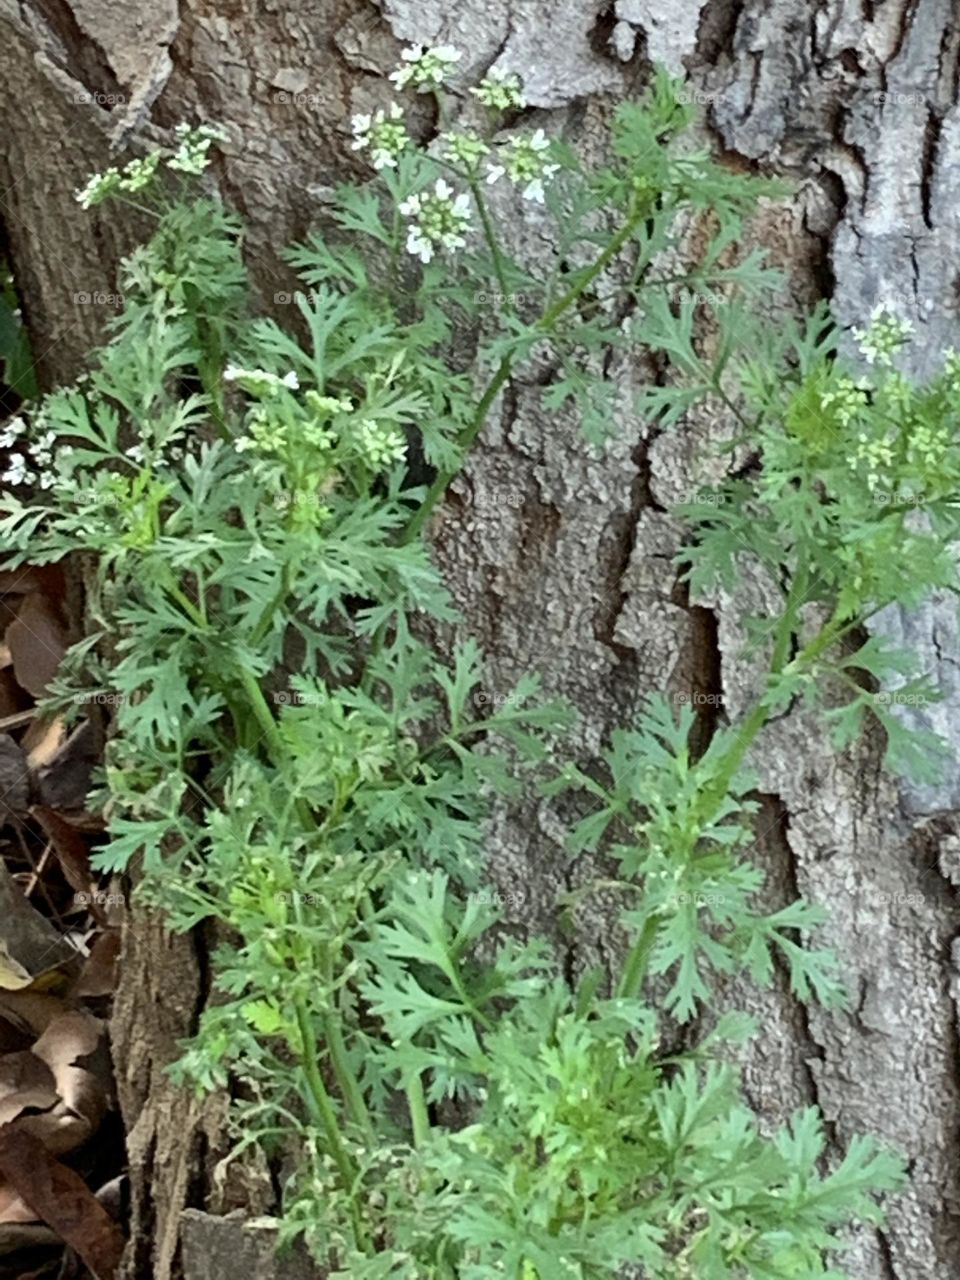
(60, 1198)
(37, 641)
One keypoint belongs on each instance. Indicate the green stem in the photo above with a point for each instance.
(464, 440)
(417, 1104)
(635, 969)
(545, 324)
(323, 1108)
(333, 1034)
(262, 713)
(745, 736)
(491, 239)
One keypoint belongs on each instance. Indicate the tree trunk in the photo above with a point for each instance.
(562, 562)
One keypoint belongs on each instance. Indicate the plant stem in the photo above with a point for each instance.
(713, 794)
(545, 324)
(464, 440)
(417, 1104)
(327, 1116)
(332, 1032)
(635, 968)
(490, 238)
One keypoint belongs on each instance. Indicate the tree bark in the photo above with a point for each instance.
(562, 562)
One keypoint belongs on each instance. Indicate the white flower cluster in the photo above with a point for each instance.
(877, 455)
(500, 90)
(37, 453)
(380, 445)
(382, 134)
(951, 369)
(466, 149)
(525, 162)
(438, 219)
(193, 144)
(260, 382)
(425, 68)
(848, 399)
(884, 336)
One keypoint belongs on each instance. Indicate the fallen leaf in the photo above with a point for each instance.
(72, 1050)
(37, 641)
(14, 776)
(69, 846)
(12, 1208)
(99, 976)
(43, 740)
(31, 1011)
(29, 940)
(60, 1198)
(26, 1085)
(12, 698)
(65, 780)
(13, 976)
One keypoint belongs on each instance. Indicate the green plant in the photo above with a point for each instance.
(457, 1107)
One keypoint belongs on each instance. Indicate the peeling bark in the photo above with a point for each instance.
(562, 562)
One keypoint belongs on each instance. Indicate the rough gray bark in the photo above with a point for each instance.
(561, 562)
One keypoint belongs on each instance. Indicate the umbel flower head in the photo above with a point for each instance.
(190, 156)
(500, 90)
(884, 335)
(383, 134)
(438, 220)
(425, 69)
(525, 162)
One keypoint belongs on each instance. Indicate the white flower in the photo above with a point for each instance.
(12, 430)
(884, 336)
(381, 135)
(379, 445)
(98, 188)
(500, 90)
(139, 173)
(191, 155)
(260, 382)
(525, 163)
(439, 220)
(17, 471)
(951, 369)
(136, 453)
(466, 149)
(43, 448)
(426, 69)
